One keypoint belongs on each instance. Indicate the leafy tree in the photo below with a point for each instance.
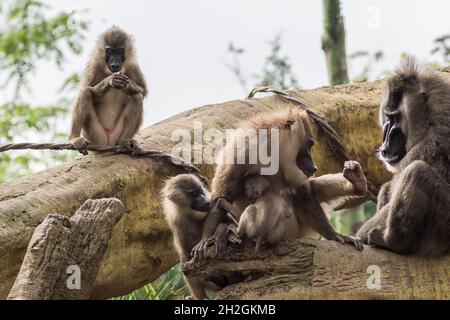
(30, 35)
(276, 71)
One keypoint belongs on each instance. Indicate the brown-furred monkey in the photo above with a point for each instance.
(109, 108)
(296, 168)
(413, 211)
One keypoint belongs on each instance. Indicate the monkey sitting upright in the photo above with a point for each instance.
(109, 107)
(294, 174)
(413, 211)
(185, 201)
(264, 221)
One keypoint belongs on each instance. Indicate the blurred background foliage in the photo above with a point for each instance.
(29, 33)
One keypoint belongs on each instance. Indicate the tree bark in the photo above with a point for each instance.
(315, 269)
(140, 249)
(64, 255)
(333, 42)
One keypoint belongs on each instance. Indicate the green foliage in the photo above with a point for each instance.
(370, 60)
(169, 286)
(442, 49)
(345, 221)
(28, 36)
(276, 70)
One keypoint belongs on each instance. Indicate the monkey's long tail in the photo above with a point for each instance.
(156, 154)
(331, 136)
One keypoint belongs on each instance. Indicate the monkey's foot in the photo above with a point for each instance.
(80, 144)
(354, 173)
(354, 241)
(133, 147)
(375, 237)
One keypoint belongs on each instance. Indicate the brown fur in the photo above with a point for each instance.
(103, 114)
(413, 210)
(305, 194)
(186, 223)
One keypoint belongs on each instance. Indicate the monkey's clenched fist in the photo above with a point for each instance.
(119, 81)
(354, 173)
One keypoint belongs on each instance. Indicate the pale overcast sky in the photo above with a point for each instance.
(182, 45)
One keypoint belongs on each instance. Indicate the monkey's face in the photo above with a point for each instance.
(255, 187)
(114, 57)
(198, 200)
(305, 160)
(399, 120)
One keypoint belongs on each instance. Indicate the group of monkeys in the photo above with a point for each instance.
(413, 210)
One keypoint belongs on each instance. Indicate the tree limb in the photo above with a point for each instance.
(138, 252)
(315, 269)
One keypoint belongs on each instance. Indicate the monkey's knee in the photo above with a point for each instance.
(137, 99)
(86, 94)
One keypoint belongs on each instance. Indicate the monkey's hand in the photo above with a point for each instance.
(80, 144)
(198, 252)
(354, 241)
(355, 175)
(233, 236)
(132, 147)
(119, 81)
(220, 239)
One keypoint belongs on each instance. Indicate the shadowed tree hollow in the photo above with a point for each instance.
(140, 247)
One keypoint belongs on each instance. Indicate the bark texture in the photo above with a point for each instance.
(140, 248)
(64, 255)
(314, 269)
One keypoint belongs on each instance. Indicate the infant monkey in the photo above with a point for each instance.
(264, 221)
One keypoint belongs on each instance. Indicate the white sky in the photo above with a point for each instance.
(182, 45)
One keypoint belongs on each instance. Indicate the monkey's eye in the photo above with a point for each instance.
(120, 51)
(108, 51)
(194, 193)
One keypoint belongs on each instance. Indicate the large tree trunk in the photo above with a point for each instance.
(140, 248)
(314, 269)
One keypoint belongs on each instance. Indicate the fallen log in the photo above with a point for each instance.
(139, 250)
(64, 255)
(315, 269)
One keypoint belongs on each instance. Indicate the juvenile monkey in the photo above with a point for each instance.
(264, 221)
(185, 201)
(296, 168)
(109, 107)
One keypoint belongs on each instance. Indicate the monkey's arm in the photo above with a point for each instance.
(99, 90)
(311, 213)
(383, 195)
(215, 216)
(336, 188)
(133, 88)
(136, 81)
